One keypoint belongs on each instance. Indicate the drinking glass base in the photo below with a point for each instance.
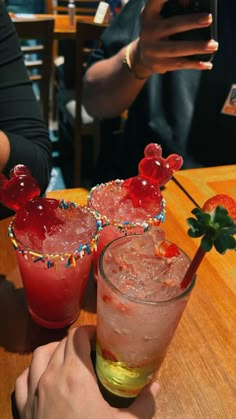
(59, 324)
(113, 399)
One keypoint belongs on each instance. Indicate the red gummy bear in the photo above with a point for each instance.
(154, 172)
(38, 216)
(20, 188)
(155, 168)
(142, 192)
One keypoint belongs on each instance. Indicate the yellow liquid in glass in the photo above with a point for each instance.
(119, 379)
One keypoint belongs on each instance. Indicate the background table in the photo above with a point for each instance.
(63, 29)
(201, 184)
(198, 375)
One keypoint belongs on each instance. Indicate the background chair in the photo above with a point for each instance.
(65, 48)
(38, 56)
(78, 131)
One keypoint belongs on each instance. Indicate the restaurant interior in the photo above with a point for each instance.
(60, 91)
(198, 375)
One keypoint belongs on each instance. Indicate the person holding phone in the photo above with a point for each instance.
(170, 97)
(24, 137)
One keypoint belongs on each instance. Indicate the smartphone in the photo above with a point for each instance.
(184, 7)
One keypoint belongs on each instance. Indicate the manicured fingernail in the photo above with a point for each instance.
(206, 65)
(155, 388)
(211, 45)
(205, 19)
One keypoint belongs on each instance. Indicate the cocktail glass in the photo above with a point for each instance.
(55, 269)
(119, 216)
(139, 305)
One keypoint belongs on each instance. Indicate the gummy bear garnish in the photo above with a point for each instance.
(154, 172)
(38, 217)
(19, 188)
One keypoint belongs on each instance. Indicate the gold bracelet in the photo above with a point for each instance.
(128, 65)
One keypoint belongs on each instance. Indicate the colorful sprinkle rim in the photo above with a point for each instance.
(155, 220)
(51, 260)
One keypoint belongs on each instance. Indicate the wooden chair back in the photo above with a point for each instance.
(72, 116)
(87, 37)
(38, 56)
(82, 7)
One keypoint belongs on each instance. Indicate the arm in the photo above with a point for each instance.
(110, 88)
(4, 150)
(24, 137)
(104, 77)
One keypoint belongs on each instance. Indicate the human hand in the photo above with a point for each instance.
(61, 382)
(154, 52)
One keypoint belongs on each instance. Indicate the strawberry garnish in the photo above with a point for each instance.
(106, 298)
(108, 355)
(222, 200)
(167, 250)
(216, 224)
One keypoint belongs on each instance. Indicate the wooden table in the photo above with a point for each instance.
(205, 182)
(198, 375)
(63, 29)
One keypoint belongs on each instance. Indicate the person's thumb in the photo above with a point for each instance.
(145, 404)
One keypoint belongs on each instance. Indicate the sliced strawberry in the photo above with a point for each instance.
(165, 249)
(106, 298)
(108, 355)
(222, 200)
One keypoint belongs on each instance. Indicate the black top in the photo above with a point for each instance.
(20, 115)
(181, 110)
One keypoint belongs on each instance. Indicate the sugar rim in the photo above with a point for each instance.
(155, 220)
(52, 259)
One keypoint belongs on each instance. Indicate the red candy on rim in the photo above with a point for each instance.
(154, 172)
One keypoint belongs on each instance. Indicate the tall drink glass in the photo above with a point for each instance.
(139, 305)
(55, 268)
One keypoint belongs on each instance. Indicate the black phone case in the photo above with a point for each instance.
(184, 7)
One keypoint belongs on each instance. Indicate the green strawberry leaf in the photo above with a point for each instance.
(206, 243)
(216, 229)
(224, 242)
(222, 217)
(196, 229)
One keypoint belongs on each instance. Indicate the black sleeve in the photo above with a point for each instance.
(20, 116)
(121, 31)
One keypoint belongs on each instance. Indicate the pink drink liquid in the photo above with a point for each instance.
(123, 218)
(54, 293)
(139, 306)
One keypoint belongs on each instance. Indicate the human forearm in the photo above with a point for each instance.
(34, 150)
(24, 137)
(4, 150)
(109, 87)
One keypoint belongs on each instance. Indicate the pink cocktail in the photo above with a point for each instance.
(54, 256)
(119, 216)
(139, 305)
(130, 206)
